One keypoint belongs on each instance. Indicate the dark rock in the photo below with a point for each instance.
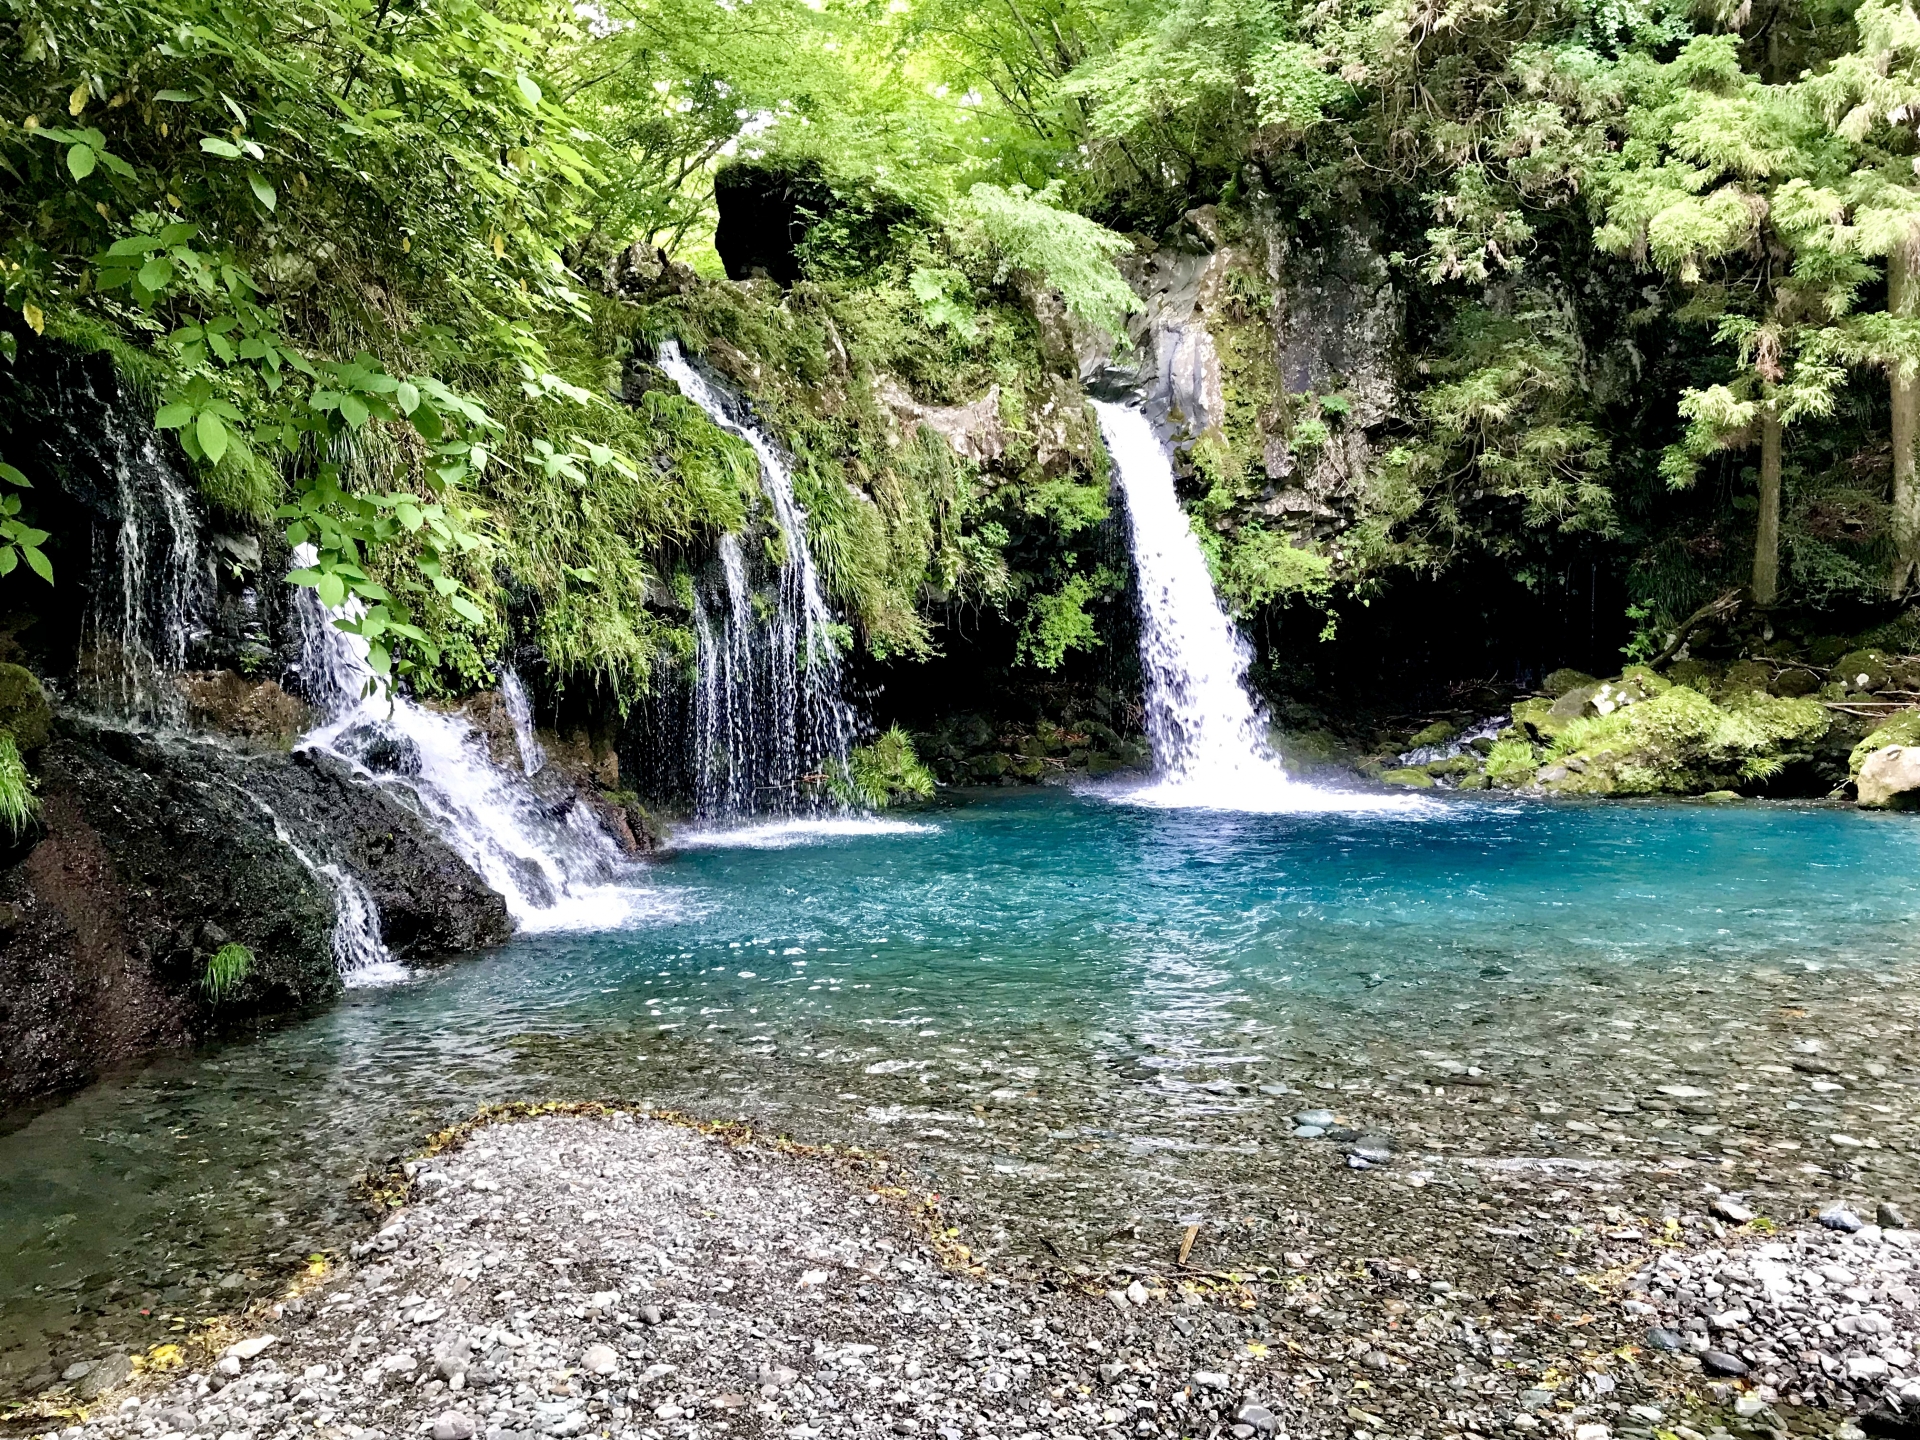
(107, 1374)
(1719, 1362)
(1888, 1217)
(1838, 1217)
(1661, 1338)
(158, 851)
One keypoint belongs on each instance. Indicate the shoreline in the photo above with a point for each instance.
(590, 1237)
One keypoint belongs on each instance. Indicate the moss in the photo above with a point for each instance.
(1863, 670)
(1437, 733)
(1901, 729)
(25, 713)
(1537, 719)
(1559, 682)
(1680, 742)
(1412, 779)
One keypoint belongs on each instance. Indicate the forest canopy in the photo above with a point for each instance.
(1655, 265)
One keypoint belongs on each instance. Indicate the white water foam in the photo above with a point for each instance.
(557, 869)
(533, 756)
(1209, 739)
(785, 834)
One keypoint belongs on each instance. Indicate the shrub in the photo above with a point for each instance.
(17, 802)
(883, 773)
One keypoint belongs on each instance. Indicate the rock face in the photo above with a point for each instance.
(1890, 777)
(145, 870)
(150, 855)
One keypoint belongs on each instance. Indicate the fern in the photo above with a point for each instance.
(226, 971)
(17, 802)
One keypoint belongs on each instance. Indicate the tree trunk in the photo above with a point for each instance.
(1903, 300)
(1766, 542)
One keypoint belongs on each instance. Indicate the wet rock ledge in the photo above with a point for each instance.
(624, 1277)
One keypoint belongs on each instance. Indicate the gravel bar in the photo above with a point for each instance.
(613, 1275)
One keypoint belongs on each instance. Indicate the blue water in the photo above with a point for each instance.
(1062, 1008)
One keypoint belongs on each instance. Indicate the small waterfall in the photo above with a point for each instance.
(554, 864)
(1209, 738)
(520, 711)
(150, 585)
(769, 719)
(359, 954)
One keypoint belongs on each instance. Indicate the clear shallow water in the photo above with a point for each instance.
(1058, 1007)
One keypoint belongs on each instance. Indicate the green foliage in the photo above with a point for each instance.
(1511, 762)
(1680, 742)
(1264, 566)
(225, 971)
(18, 804)
(1058, 622)
(887, 772)
(1070, 252)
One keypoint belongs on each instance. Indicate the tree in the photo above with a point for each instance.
(1705, 149)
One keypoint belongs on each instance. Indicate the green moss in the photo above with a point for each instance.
(1437, 733)
(1559, 682)
(1902, 729)
(1680, 742)
(1412, 779)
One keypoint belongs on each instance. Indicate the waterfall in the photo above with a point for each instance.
(150, 585)
(359, 954)
(1209, 738)
(769, 720)
(551, 860)
(520, 711)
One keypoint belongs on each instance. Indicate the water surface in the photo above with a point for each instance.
(1071, 1011)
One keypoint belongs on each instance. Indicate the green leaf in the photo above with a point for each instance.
(409, 516)
(9, 347)
(225, 149)
(407, 396)
(9, 557)
(262, 191)
(176, 96)
(172, 417)
(529, 90)
(80, 161)
(467, 610)
(156, 274)
(42, 566)
(14, 477)
(211, 431)
(353, 411)
(332, 590)
(378, 660)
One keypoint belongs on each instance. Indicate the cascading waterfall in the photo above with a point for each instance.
(769, 720)
(533, 757)
(554, 864)
(359, 954)
(1209, 738)
(151, 583)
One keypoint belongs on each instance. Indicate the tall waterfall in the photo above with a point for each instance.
(150, 579)
(554, 864)
(1209, 738)
(768, 715)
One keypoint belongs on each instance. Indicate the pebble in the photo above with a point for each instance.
(1839, 1217)
(1314, 1119)
(1720, 1362)
(1887, 1215)
(1730, 1210)
(452, 1425)
(601, 1360)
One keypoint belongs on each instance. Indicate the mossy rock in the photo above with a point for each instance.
(1536, 720)
(1680, 743)
(1644, 679)
(1795, 683)
(1559, 682)
(23, 708)
(1438, 733)
(1458, 765)
(1902, 729)
(1722, 797)
(1410, 777)
(1575, 702)
(1744, 675)
(1863, 670)
(1701, 675)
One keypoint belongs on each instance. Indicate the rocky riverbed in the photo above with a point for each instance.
(610, 1274)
